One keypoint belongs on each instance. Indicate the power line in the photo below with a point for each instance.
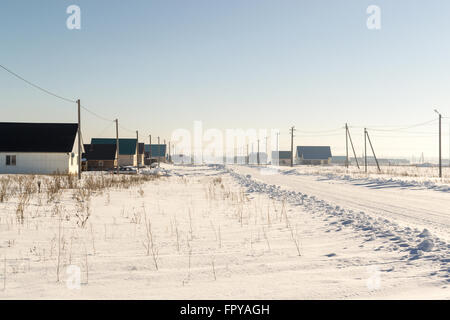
(36, 86)
(52, 93)
(104, 129)
(321, 131)
(126, 129)
(96, 114)
(373, 128)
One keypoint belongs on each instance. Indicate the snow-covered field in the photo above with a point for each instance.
(235, 232)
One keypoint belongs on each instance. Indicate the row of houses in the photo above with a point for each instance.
(48, 148)
(101, 153)
(314, 155)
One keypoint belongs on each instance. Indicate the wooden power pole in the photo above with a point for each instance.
(373, 151)
(257, 155)
(150, 150)
(440, 142)
(292, 146)
(365, 150)
(137, 150)
(117, 145)
(79, 139)
(248, 156)
(353, 147)
(159, 152)
(170, 156)
(346, 146)
(440, 145)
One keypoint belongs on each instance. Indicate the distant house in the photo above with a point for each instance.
(38, 148)
(341, 160)
(180, 158)
(313, 155)
(281, 158)
(155, 153)
(127, 149)
(100, 157)
(253, 158)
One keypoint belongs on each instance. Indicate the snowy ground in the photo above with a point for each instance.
(236, 232)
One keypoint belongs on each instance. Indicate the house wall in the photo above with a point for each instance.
(95, 165)
(140, 159)
(40, 163)
(127, 160)
(314, 162)
(281, 162)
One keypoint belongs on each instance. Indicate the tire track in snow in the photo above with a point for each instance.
(412, 243)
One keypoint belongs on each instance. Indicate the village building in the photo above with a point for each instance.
(100, 157)
(316, 155)
(281, 158)
(127, 149)
(253, 158)
(38, 148)
(155, 153)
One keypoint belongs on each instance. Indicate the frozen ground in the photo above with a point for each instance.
(212, 232)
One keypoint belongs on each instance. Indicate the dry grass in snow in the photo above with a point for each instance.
(195, 234)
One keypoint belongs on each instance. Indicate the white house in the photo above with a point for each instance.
(38, 148)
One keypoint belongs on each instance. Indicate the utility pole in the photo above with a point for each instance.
(117, 145)
(165, 149)
(353, 148)
(170, 157)
(365, 150)
(159, 152)
(278, 145)
(440, 146)
(253, 152)
(247, 159)
(346, 145)
(440, 143)
(373, 152)
(137, 150)
(292, 146)
(257, 155)
(267, 151)
(150, 150)
(79, 139)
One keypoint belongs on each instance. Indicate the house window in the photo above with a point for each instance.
(10, 160)
(100, 163)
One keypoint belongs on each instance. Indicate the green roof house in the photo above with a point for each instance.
(127, 149)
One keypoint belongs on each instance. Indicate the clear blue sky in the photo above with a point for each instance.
(160, 65)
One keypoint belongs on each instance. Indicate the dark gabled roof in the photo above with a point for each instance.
(126, 146)
(158, 150)
(100, 151)
(37, 137)
(314, 152)
(281, 155)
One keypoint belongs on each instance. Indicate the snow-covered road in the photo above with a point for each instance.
(414, 207)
